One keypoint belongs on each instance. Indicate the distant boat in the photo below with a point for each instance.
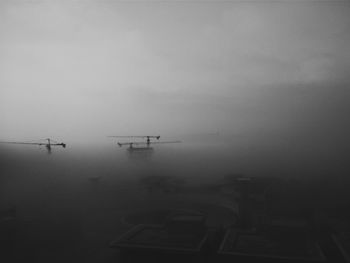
(141, 146)
(140, 149)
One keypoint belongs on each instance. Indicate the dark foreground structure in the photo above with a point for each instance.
(283, 245)
(274, 243)
(263, 234)
(183, 238)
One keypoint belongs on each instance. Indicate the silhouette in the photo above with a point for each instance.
(138, 145)
(48, 145)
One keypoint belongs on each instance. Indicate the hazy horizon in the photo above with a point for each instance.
(82, 70)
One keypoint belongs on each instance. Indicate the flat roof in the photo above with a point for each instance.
(261, 245)
(342, 240)
(297, 223)
(158, 238)
(189, 218)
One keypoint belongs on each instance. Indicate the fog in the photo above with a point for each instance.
(73, 202)
(85, 69)
(250, 88)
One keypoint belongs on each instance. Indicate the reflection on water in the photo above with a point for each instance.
(140, 153)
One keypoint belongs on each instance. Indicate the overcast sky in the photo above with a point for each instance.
(77, 69)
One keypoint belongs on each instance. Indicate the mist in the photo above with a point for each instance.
(83, 70)
(250, 89)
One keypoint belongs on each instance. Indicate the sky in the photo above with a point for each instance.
(77, 70)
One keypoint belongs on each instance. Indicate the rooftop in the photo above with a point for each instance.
(158, 237)
(262, 245)
(342, 240)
